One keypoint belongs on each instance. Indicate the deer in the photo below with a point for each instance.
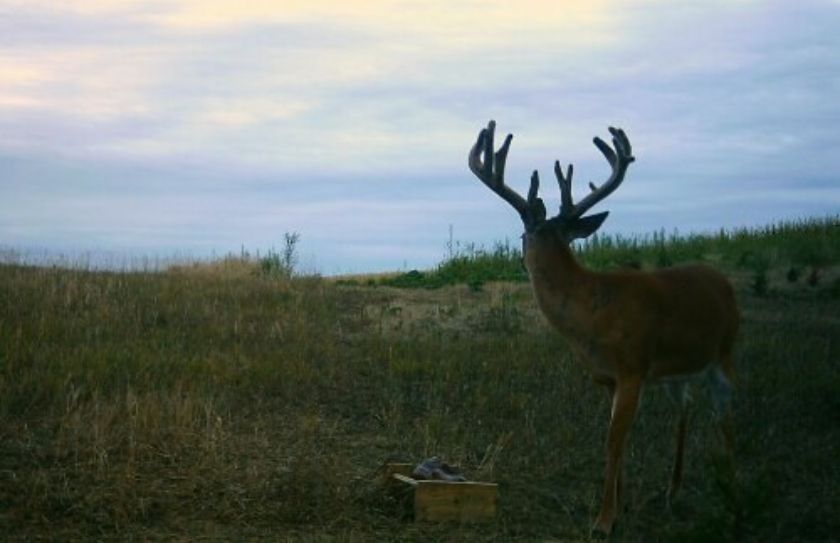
(627, 328)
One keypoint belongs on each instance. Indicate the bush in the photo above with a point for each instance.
(471, 266)
(275, 264)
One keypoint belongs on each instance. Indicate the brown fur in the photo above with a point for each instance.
(629, 327)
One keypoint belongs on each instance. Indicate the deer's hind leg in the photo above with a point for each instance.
(721, 377)
(680, 394)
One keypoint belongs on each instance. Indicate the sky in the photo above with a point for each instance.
(158, 128)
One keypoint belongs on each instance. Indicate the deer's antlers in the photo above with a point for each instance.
(619, 160)
(491, 171)
(489, 166)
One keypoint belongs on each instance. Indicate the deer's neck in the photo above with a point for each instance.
(564, 289)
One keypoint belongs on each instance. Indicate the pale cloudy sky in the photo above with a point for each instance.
(158, 127)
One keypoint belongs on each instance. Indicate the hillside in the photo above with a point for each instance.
(221, 401)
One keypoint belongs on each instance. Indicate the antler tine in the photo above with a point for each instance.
(491, 169)
(619, 159)
(536, 206)
(567, 207)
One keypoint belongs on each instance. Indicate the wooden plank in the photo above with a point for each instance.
(462, 502)
(404, 479)
(391, 468)
(436, 501)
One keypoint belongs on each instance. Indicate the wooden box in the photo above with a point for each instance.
(436, 501)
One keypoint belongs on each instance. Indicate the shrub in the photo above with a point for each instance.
(282, 264)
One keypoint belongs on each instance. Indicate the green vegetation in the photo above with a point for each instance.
(281, 264)
(810, 244)
(471, 266)
(223, 401)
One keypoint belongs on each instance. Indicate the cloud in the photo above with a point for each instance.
(209, 110)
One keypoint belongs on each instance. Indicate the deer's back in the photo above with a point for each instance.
(685, 316)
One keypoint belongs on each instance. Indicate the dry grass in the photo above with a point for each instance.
(212, 402)
(230, 267)
(362, 278)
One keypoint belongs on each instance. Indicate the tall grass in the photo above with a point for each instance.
(806, 244)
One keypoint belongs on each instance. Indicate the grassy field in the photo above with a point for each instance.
(222, 402)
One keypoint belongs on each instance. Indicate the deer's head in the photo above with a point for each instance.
(570, 223)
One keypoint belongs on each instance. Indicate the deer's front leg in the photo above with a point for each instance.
(609, 384)
(625, 399)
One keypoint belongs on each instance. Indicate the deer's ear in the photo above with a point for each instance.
(586, 226)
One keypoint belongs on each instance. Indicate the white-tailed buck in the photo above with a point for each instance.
(627, 328)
